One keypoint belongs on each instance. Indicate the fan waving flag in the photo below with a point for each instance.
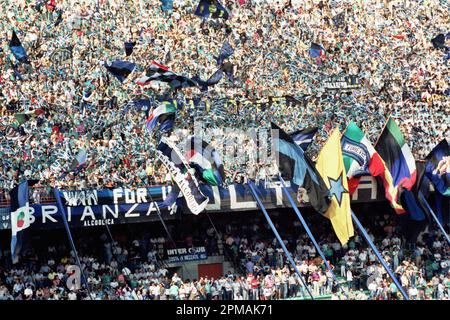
(20, 218)
(360, 158)
(121, 69)
(296, 167)
(397, 155)
(177, 166)
(206, 161)
(17, 49)
(437, 167)
(211, 8)
(304, 137)
(159, 72)
(164, 115)
(331, 167)
(316, 50)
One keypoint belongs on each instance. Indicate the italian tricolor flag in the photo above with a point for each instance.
(361, 158)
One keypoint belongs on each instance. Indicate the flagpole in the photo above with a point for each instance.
(380, 258)
(277, 235)
(308, 231)
(69, 234)
(384, 127)
(422, 198)
(165, 227)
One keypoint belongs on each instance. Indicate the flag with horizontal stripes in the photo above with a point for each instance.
(392, 148)
(164, 115)
(304, 137)
(397, 155)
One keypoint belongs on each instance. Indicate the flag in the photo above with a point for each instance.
(121, 69)
(23, 117)
(360, 158)
(411, 204)
(304, 137)
(159, 72)
(397, 155)
(228, 69)
(20, 218)
(17, 49)
(339, 19)
(316, 50)
(211, 8)
(59, 18)
(437, 167)
(164, 115)
(79, 160)
(213, 80)
(206, 161)
(296, 167)
(179, 169)
(129, 48)
(331, 167)
(167, 5)
(439, 41)
(225, 52)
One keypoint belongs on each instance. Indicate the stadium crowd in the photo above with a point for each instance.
(386, 44)
(133, 266)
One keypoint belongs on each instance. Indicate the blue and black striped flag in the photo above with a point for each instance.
(304, 137)
(295, 166)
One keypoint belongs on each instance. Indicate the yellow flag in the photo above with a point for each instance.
(331, 167)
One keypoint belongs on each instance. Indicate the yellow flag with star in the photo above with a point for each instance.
(331, 167)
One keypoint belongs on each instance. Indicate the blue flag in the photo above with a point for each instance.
(20, 218)
(17, 49)
(211, 8)
(225, 52)
(438, 160)
(295, 166)
(411, 205)
(316, 50)
(121, 69)
(129, 48)
(213, 80)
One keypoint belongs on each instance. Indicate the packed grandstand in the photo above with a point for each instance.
(94, 96)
